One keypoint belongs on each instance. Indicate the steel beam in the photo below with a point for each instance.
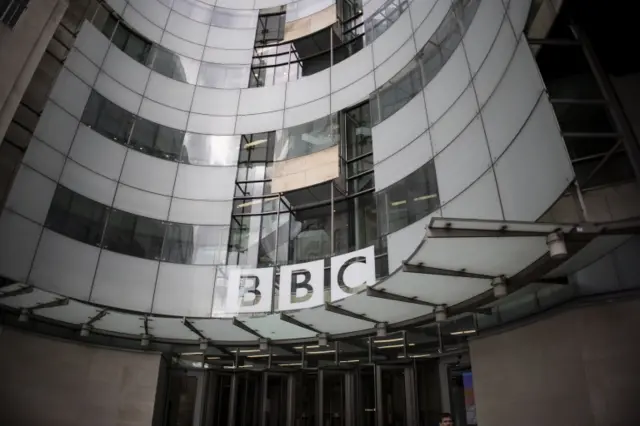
(346, 313)
(427, 270)
(286, 318)
(396, 297)
(18, 292)
(246, 328)
(52, 304)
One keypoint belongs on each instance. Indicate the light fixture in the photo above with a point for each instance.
(381, 329)
(397, 339)
(395, 346)
(398, 203)
(330, 351)
(441, 313)
(248, 351)
(291, 364)
(307, 347)
(557, 246)
(254, 143)
(260, 356)
(146, 339)
(323, 339)
(456, 333)
(85, 330)
(24, 315)
(350, 360)
(499, 285)
(190, 353)
(264, 344)
(204, 344)
(213, 357)
(425, 197)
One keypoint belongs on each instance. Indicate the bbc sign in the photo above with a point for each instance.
(301, 285)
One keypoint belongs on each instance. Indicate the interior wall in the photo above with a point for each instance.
(58, 383)
(578, 367)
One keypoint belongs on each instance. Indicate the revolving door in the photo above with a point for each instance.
(350, 395)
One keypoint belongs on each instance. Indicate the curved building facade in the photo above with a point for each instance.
(215, 177)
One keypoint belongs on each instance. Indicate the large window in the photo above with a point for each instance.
(157, 140)
(107, 118)
(307, 138)
(195, 244)
(134, 235)
(11, 10)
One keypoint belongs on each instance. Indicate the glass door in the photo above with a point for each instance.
(366, 391)
(395, 395)
(305, 398)
(275, 399)
(336, 397)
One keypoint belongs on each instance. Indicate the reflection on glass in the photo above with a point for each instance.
(173, 66)
(223, 76)
(76, 216)
(195, 244)
(194, 10)
(383, 18)
(231, 18)
(107, 118)
(157, 140)
(210, 150)
(310, 234)
(408, 200)
(307, 138)
(304, 8)
(134, 235)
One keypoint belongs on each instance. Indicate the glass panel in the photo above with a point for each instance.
(137, 48)
(174, 66)
(76, 217)
(223, 76)
(307, 138)
(230, 18)
(194, 10)
(107, 118)
(195, 244)
(134, 235)
(157, 140)
(310, 234)
(210, 150)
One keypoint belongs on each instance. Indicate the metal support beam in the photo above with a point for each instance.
(421, 269)
(552, 42)
(396, 297)
(193, 329)
(18, 292)
(52, 304)
(617, 112)
(346, 313)
(146, 325)
(286, 318)
(98, 317)
(245, 327)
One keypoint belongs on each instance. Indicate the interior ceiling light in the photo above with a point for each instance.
(395, 346)
(556, 245)
(308, 347)
(254, 143)
(260, 356)
(425, 197)
(292, 364)
(398, 203)
(440, 313)
(85, 330)
(397, 339)
(457, 333)
(321, 352)
(247, 351)
(499, 285)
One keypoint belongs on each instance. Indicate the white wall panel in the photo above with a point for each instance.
(215, 101)
(142, 203)
(211, 125)
(420, 10)
(70, 93)
(56, 127)
(92, 43)
(308, 89)
(352, 69)
(401, 244)
(153, 10)
(491, 71)
(164, 115)
(480, 201)
(184, 290)
(44, 159)
(149, 173)
(390, 42)
(512, 101)
(307, 112)
(400, 129)
(77, 63)
(200, 212)
(205, 183)
(518, 12)
(97, 153)
(64, 266)
(117, 5)
(447, 85)
(17, 245)
(242, 4)
(117, 93)
(353, 93)
(170, 92)
(535, 170)
(142, 24)
(462, 162)
(227, 56)
(429, 26)
(181, 46)
(87, 183)
(370, 7)
(231, 38)
(403, 162)
(124, 281)
(259, 122)
(262, 99)
(186, 28)
(122, 68)
(31, 194)
(398, 61)
(454, 121)
(483, 31)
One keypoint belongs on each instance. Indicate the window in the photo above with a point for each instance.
(308, 138)
(223, 76)
(104, 21)
(107, 118)
(134, 235)
(131, 44)
(76, 216)
(11, 10)
(174, 66)
(195, 244)
(156, 140)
